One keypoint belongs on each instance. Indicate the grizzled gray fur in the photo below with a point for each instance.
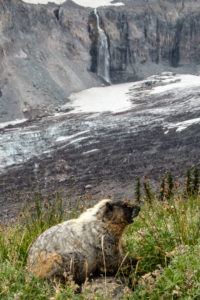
(81, 247)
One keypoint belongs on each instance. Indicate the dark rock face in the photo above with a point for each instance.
(148, 37)
(120, 53)
(93, 34)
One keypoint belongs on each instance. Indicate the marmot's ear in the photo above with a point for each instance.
(109, 206)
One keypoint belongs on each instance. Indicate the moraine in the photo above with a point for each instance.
(149, 127)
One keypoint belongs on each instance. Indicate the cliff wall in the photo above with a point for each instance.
(148, 37)
(44, 56)
(49, 51)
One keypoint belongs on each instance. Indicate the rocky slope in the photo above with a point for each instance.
(93, 149)
(49, 51)
(44, 55)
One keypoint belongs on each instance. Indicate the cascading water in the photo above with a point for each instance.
(103, 61)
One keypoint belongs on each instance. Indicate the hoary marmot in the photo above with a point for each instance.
(81, 247)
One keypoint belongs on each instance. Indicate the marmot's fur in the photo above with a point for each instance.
(81, 247)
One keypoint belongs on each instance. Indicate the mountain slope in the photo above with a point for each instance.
(44, 56)
(49, 51)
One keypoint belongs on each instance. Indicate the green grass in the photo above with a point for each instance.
(165, 238)
(16, 283)
(15, 240)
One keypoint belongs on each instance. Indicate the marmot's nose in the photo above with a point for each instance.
(136, 210)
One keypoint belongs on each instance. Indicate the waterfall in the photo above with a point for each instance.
(103, 60)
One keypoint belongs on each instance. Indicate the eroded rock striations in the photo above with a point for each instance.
(49, 51)
(44, 55)
(147, 37)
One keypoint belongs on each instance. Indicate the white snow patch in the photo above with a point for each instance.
(183, 125)
(70, 137)
(90, 151)
(97, 3)
(180, 126)
(85, 3)
(15, 122)
(113, 98)
(43, 1)
(78, 140)
(185, 81)
(62, 138)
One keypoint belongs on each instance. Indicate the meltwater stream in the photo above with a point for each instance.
(103, 62)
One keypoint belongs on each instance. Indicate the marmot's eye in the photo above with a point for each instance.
(126, 205)
(109, 206)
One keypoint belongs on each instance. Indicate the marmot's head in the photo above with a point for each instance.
(120, 212)
(116, 213)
